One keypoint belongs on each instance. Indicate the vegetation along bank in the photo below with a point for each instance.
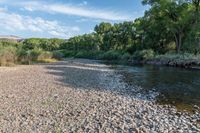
(167, 34)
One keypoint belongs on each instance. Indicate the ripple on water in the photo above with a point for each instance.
(176, 86)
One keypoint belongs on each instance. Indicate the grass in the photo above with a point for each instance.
(110, 55)
(11, 55)
(144, 55)
(102, 55)
(179, 59)
(182, 56)
(47, 60)
(8, 56)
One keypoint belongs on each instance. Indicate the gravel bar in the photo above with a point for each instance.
(78, 95)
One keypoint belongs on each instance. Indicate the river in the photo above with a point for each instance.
(175, 86)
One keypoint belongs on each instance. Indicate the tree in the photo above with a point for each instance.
(103, 28)
(176, 15)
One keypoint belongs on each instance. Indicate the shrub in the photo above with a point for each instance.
(181, 56)
(126, 56)
(34, 54)
(82, 54)
(110, 55)
(144, 54)
(48, 60)
(4, 43)
(22, 55)
(86, 54)
(68, 53)
(44, 55)
(27, 56)
(57, 55)
(8, 56)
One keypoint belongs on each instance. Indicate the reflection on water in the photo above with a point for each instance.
(176, 86)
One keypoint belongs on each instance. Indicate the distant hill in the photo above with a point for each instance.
(11, 38)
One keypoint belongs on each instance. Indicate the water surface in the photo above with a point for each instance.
(175, 86)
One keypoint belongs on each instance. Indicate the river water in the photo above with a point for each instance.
(175, 86)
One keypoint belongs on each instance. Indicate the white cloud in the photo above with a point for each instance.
(3, 9)
(15, 22)
(28, 8)
(75, 29)
(55, 33)
(74, 10)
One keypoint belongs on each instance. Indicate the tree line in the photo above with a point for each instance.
(168, 26)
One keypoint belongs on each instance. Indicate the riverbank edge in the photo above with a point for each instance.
(188, 64)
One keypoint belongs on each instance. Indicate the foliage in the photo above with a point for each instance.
(181, 59)
(144, 54)
(67, 53)
(57, 55)
(6, 44)
(7, 56)
(88, 54)
(47, 60)
(85, 42)
(110, 55)
(43, 43)
(44, 55)
(176, 57)
(167, 26)
(126, 56)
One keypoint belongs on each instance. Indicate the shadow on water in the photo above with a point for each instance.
(176, 86)
(82, 74)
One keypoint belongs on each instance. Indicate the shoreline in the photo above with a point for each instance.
(78, 95)
(185, 64)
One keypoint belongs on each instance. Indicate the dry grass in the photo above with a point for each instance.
(48, 60)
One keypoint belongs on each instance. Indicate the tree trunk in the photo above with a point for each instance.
(178, 41)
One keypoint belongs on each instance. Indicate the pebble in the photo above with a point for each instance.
(78, 95)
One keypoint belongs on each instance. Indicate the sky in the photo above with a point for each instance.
(63, 18)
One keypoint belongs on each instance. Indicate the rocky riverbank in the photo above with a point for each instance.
(174, 63)
(191, 64)
(82, 96)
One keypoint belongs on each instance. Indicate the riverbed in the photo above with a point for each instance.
(78, 95)
(179, 87)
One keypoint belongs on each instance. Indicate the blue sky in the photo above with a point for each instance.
(63, 18)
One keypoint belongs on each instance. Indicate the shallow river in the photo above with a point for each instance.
(175, 86)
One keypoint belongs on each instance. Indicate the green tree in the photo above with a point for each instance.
(176, 15)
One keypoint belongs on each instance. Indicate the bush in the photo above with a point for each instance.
(181, 56)
(27, 56)
(110, 55)
(22, 55)
(68, 53)
(8, 56)
(9, 44)
(82, 54)
(144, 54)
(34, 54)
(126, 56)
(87, 54)
(57, 55)
(44, 55)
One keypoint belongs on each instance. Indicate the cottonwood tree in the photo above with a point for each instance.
(176, 15)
